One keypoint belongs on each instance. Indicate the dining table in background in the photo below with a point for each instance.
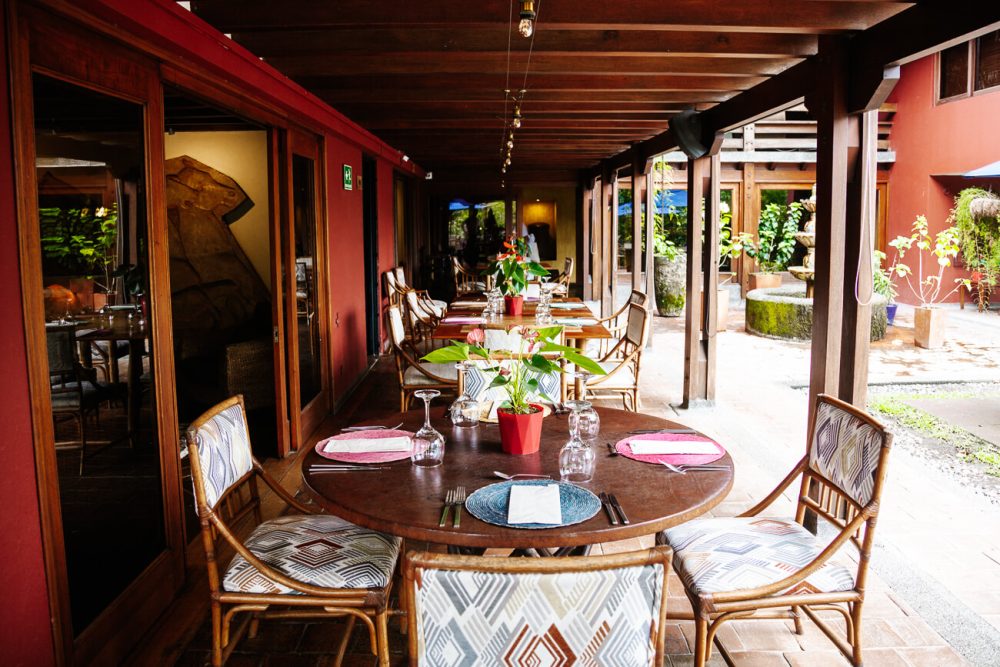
(406, 500)
(466, 312)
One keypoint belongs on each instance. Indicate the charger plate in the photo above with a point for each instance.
(366, 457)
(489, 504)
(625, 450)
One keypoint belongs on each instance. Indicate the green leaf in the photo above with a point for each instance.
(455, 352)
(586, 363)
(499, 381)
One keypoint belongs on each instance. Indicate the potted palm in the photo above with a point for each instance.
(929, 321)
(776, 230)
(516, 370)
(511, 270)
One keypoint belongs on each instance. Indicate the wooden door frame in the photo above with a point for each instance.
(45, 44)
(303, 420)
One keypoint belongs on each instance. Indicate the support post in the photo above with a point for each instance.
(710, 270)
(650, 230)
(597, 242)
(611, 251)
(639, 183)
(859, 247)
(694, 361)
(583, 247)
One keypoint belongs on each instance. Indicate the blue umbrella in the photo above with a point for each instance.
(664, 200)
(987, 171)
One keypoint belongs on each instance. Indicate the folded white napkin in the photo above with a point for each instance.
(534, 504)
(577, 321)
(498, 339)
(469, 304)
(564, 306)
(368, 445)
(532, 291)
(644, 447)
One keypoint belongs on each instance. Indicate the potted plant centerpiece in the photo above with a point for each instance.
(516, 371)
(928, 321)
(511, 270)
(776, 230)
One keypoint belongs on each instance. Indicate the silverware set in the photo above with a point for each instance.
(643, 431)
(453, 498)
(684, 468)
(373, 427)
(342, 467)
(616, 515)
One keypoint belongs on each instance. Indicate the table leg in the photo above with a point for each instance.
(135, 350)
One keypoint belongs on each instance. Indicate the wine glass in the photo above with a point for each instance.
(428, 444)
(581, 382)
(576, 458)
(585, 420)
(465, 410)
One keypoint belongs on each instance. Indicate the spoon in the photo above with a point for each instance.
(503, 475)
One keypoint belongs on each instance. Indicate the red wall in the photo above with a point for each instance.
(935, 139)
(25, 632)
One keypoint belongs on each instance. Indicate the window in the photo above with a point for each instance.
(970, 67)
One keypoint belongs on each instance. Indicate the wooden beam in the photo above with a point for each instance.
(857, 286)
(463, 93)
(694, 366)
(829, 106)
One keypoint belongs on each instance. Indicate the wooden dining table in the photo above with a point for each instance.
(466, 312)
(406, 500)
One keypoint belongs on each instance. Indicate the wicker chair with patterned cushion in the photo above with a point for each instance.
(622, 362)
(308, 565)
(592, 610)
(436, 307)
(756, 567)
(466, 281)
(414, 374)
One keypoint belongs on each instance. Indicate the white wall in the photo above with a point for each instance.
(243, 157)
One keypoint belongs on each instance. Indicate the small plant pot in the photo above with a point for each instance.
(520, 434)
(929, 325)
(764, 280)
(890, 312)
(513, 305)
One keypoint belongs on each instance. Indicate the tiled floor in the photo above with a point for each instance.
(764, 430)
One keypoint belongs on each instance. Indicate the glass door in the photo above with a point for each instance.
(303, 251)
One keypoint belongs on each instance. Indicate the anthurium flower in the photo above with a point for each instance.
(476, 336)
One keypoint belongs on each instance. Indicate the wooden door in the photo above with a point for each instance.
(111, 504)
(303, 254)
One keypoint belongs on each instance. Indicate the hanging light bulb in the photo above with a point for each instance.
(516, 122)
(503, 169)
(527, 25)
(506, 162)
(510, 143)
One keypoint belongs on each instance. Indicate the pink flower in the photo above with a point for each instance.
(476, 336)
(531, 335)
(504, 372)
(516, 329)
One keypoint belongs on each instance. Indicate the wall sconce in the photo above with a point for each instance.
(527, 25)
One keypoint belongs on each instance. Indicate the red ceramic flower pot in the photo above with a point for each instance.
(513, 305)
(520, 434)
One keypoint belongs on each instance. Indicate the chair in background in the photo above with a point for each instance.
(735, 567)
(433, 307)
(414, 374)
(622, 363)
(616, 324)
(311, 565)
(567, 272)
(392, 292)
(472, 610)
(466, 281)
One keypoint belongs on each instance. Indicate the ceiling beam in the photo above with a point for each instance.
(417, 95)
(376, 85)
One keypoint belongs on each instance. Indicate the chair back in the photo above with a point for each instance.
(400, 274)
(397, 329)
(637, 326)
(221, 458)
(391, 288)
(568, 265)
(638, 298)
(491, 611)
(60, 343)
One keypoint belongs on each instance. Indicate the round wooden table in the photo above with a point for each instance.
(406, 500)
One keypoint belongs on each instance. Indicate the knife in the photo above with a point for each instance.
(621, 512)
(607, 508)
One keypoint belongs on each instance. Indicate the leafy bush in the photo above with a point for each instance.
(776, 231)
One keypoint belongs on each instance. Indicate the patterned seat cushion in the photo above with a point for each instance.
(715, 555)
(320, 550)
(605, 617)
(439, 307)
(414, 377)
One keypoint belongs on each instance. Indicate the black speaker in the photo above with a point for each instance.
(687, 130)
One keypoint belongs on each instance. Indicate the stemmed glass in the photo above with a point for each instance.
(576, 458)
(428, 444)
(465, 410)
(585, 420)
(582, 376)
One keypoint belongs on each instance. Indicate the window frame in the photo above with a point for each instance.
(972, 60)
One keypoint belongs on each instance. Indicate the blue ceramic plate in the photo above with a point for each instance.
(489, 504)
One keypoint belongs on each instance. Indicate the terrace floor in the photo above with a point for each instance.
(933, 599)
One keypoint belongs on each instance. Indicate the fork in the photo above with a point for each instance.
(684, 468)
(459, 500)
(449, 500)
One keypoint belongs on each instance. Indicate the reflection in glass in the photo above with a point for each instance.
(304, 200)
(93, 230)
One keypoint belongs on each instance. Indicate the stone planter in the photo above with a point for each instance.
(764, 280)
(929, 324)
(787, 313)
(669, 278)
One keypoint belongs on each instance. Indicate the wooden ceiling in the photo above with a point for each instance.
(429, 77)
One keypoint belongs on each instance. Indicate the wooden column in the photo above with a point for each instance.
(639, 181)
(611, 247)
(750, 212)
(710, 270)
(599, 208)
(583, 246)
(650, 286)
(694, 360)
(859, 246)
(829, 106)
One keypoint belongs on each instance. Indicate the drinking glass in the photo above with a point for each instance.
(585, 420)
(465, 410)
(582, 376)
(576, 458)
(428, 444)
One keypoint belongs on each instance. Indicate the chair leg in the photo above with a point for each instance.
(700, 642)
(797, 619)
(382, 632)
(855, 637)
(216, 634)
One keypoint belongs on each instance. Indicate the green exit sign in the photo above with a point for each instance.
(348, 177)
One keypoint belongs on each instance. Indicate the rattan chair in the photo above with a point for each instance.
(436, 307)
(755, 567)
(392, 291)
(622, 363)
(617, 323)
(595, 610)
(295, 566)
(466, 281)
(567, 272)
(414, 374)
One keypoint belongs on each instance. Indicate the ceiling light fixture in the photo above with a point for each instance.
(406, 158)
(516, 122)
(527, 25)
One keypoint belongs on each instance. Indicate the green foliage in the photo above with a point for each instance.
(79, 241)
(512, 268)
(776, 230)
(979, 232)
(882, 282)
(942, 248)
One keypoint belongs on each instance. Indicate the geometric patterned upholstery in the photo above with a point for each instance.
(729, 554)
(478, 379)
(315, 549)
(846, 451)
(223, 451)
(602, 617)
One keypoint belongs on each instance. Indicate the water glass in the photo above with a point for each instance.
(428, 444)
(465, 410)
(584, 420)
(576, 461)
